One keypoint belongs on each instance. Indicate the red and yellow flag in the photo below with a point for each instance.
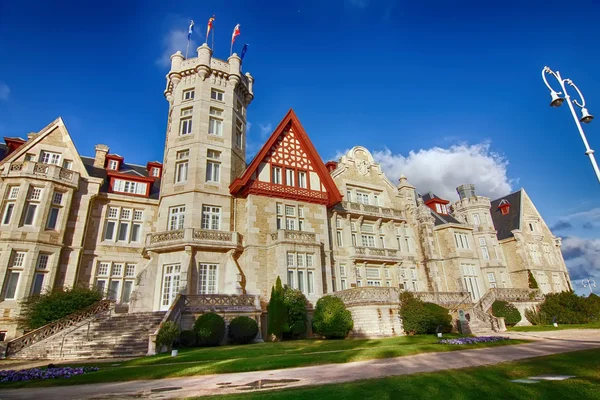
(210, 25)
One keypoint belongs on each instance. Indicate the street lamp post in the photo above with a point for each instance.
(586, 117)
(589, 283)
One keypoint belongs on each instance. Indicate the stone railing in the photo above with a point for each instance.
(494, 323)
(375, 210)
(508, 294)
(55, 327)
(373, 252)
(445, 298)
(49, 171)
(293, 236)
(220, 302)
(174, 315)
(369, 295)
(191, 236)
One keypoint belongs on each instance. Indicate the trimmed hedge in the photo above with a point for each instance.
(331, 319)
(167, 335)
(511, 315)
(243, 330)
(187, 338)
(419, 317)
(295, 303)
(210, 329)
(438, 317)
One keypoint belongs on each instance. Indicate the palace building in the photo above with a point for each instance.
(203, 221)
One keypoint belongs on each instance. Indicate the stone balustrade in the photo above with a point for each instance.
(510, 295)
(378, 211)
(374, 253)
(192, 237)
(445, 298)
(285, 235)
(221, 303)
(38, 170)
(369, 295)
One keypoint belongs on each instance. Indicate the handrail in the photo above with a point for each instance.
(44, 332)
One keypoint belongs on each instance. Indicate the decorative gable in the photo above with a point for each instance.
(288, 166)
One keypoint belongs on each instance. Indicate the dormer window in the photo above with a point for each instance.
(156, 172)
(113, 164)
(504, 207)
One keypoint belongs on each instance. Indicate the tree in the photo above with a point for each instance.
(331, 318)
(277, 313)
(532, 282)
(295, 303)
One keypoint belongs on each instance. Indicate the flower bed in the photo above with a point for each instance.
(473, 340)
(34, 374)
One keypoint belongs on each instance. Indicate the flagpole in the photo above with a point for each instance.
(213, 40)
(231, 48)
(187, 47)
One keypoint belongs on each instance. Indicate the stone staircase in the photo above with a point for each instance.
(101, 336)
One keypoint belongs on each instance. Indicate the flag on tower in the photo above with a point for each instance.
(244, 49)
(236, 32)
(191, 29)
(209, 27)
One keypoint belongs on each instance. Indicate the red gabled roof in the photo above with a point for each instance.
(289, 121)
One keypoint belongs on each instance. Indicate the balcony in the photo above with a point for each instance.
(200, 238)
(284, 235)
(373, 253)
(376, 211)
(30, 169)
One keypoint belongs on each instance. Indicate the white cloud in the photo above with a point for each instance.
(442, 170)
(589, 215)
(248, 126)
(265, 130)
(582, 257)
(4, 91)
(176, 39)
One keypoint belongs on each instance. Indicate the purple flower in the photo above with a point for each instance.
(41, 374)
(473, 340)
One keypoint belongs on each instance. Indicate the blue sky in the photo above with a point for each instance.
(456, 83)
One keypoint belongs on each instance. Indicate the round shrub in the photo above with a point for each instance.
(331, 319)
(295, 303)
(210, 329)
(438, 316)
(243, 330)
(567, 307)
(414, 315)
(511, 315)
(167, 334)
(187, 338)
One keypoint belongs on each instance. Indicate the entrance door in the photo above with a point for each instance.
(170, 285)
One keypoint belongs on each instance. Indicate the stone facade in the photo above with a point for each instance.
(204, 222)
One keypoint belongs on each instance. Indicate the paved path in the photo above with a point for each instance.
(546, 343)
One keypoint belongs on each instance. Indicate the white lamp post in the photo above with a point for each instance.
(586, 117)
(589, 283)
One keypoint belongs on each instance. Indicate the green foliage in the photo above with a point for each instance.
(511, 315)
(568, 308)
(277, 313)
(210, 329)
(42, 309)
(187, 338)
(419, 317)
(536, 317)
(532, 282)
(438, 316)
(593, 307)
(243, 330)
(331, 319)
(295, 303)
(167, 334)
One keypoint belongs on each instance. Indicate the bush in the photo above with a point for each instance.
(438, 316)
(167, 334)
(511, 315)
(243, 330)
(414, 315)
(568, 308)
(276, 311)
(210, 329)
(532, 282)
(331, 319)
(187, 338)
(295, 303)
(593, 307)
(42, 309)
(536, 317)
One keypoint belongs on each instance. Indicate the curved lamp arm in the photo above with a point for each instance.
(545, 71)
(582, 105)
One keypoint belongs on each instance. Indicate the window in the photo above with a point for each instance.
(185, 121)
(217, 95)
(115, 280)
(113, 164)
(47, 157)
(461, 241)
(211, 218)
(302, 179)
(30, 157)
(373, 273)
(300, 274)
(368, 240)
(438, 208)
(112, 220)
(176, 217)
(375, 199)
(276, 175)
(484, 249)
(293, 218)
(239, 107)
(136, 227)
(289, 177)
(343, 284)
(531, 228)
(239, 133)
(215, 122)
(9, 204)
(188, 94)
(155, 172)
(348, 195)
(213, 166)
(31, 205)
(362, 197)
(122, 186)
(492, 279)
(181, 166)
(471, 281)
(339, 238)
(123, 225)
(207, 278)
(476, 220)
(53, 218)
(68, 164)
(57, 198)
(13, 274)
(343, 270)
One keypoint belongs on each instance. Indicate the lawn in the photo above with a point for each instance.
(479, 383)
(258, 357)
(542, 328)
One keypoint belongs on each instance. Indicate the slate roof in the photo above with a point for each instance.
(444, 219)
(504, 224)
(429, 196)
(131, 169)
(3, 150)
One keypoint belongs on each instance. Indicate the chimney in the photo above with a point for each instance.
(466, 191)
(331, 166)
(100, 158)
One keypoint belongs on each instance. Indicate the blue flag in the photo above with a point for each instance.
(191, 29)
(244, 49)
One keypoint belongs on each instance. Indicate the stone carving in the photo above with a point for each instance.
(363, 166)
(369, 295)
(16, 166)
(212, 235)
(41, 169)
(166, 236)
(219, 302)
(65, 174)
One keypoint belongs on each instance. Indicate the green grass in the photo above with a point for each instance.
(479, 383)
(543, 328)
(258, 357)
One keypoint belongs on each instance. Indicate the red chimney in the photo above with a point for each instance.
(13, 144)
(331, 165)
